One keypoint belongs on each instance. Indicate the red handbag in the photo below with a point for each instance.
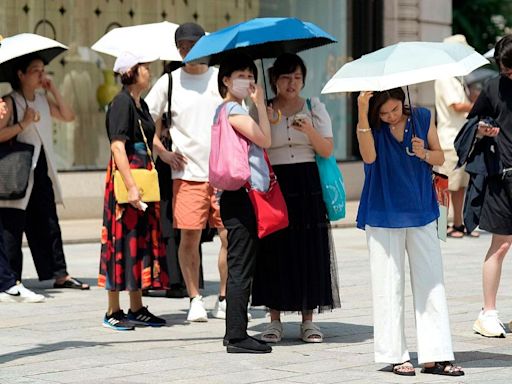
(269, 207)
(441, 187)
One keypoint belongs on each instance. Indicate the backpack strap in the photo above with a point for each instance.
(169, 100)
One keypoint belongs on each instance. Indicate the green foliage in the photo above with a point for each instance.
(478, 20)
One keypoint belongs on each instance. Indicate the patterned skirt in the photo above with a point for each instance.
(132, 251)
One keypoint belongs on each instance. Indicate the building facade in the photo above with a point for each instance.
(84, 77)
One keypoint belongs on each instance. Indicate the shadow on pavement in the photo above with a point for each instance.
(48, 284)
(76, 344)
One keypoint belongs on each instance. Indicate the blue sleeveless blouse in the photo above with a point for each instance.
(398, 190)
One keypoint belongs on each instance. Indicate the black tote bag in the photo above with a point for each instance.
(15, 165)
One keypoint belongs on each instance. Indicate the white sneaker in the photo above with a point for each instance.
(219, 311)
(488, 324)
(19, 294)
(197, 312)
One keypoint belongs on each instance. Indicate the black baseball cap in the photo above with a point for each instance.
(188, 31)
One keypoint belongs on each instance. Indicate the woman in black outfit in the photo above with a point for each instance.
(132, 251)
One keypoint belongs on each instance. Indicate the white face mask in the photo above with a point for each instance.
(240, 88)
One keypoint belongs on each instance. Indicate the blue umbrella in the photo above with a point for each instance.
(259, 38)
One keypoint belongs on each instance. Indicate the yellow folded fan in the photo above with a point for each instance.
(146, 181)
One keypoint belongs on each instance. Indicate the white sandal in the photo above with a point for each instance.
(310, 333)
(273, 332)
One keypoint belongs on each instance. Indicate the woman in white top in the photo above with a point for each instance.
(295, 269)
(36, 214)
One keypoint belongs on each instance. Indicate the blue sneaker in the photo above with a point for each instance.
(144, 317)
(117, 321)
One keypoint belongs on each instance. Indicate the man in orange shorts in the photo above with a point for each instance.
(194, 100)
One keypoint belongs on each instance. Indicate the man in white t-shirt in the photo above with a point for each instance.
(452, 107)
(195, 97)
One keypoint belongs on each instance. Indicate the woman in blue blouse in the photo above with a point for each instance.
(398, 211)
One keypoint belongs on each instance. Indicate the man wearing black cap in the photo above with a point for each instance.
(194, 99)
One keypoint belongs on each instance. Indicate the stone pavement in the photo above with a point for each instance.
(62, 340)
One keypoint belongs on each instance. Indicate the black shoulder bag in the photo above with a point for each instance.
(15, 165)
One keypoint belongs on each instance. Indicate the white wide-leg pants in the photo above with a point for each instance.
(387, 248)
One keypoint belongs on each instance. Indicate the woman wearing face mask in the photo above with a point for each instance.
(296, 268)
(398, 211)
(237, 77)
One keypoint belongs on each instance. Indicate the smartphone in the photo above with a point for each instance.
(299, 118)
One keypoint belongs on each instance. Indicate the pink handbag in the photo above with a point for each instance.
(229, 156)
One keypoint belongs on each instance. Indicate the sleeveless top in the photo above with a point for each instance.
(398, 190)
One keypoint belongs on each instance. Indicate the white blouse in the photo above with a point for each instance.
(291, 146)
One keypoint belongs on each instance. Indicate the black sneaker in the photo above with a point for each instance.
(144, 317)
(117, 321)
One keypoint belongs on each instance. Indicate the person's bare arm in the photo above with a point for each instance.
(461, 107)
(59, 109)
(364, 131)
(123, 165)
(434, 155)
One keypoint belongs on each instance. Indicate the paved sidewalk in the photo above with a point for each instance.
(62, 340)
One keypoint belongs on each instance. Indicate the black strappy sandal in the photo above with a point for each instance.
(439, 368)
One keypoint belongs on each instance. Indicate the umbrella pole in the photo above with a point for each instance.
(413, 128)
(264, 79)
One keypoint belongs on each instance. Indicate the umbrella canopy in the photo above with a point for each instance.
(259, 38)
(16, 46)
(150, 39)
(489, 54)
(480, 75)
(404, 64)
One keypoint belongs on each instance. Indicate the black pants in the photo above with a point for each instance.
(41, 226)
(7, 277)
(238, 218)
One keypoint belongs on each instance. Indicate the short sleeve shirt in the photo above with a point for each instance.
(449, 122)
(291, 146)
(494, 101)
(123, 118)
